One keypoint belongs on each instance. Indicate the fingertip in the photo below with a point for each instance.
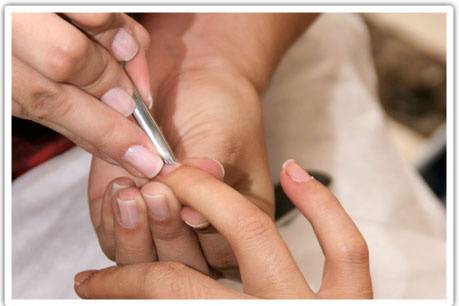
(138, 70)
(81, 277)
(209, 165)
(295, 172)
(121, 183)
(193, 218)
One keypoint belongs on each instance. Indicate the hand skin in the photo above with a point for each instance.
(207, 74)
(66, 65)
(267, 268)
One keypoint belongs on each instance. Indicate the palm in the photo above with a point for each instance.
(204, 112)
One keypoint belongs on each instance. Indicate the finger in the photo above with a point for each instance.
(189, 215)
(84, 120)
(102, 215)
(132, 233)
(125, 38)
(346, 272)
(117, 32)
(216, 249)
(62, 53)
(267, 267)
(158, 280)
(173, 239)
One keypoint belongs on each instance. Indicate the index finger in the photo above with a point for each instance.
(347, 269)
(267, 267)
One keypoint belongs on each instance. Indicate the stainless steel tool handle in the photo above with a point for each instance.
(148, 124)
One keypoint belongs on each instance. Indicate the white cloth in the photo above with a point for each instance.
(322, 110)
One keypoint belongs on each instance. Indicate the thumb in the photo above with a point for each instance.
(159, 280)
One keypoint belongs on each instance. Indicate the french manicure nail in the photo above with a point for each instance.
(295, 172)
(129, 215)
(198, 226)
(119, 100)
(157, 206)
(124, 45)
(144, 160)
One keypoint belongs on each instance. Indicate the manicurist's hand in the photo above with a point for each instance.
(208, 72)
(266, 265)
(67, 75)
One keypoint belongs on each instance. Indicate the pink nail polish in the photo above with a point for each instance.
(157, 206)
(198, 226)
(119, 100)
(124, 45)
(144, 160)
(295, 172)
(129, 214)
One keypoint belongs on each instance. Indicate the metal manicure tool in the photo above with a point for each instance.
(150, 127)
(148, 124)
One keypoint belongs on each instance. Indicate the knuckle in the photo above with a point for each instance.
(169, 230)
(170, 274)
(222, 259)
(255, 227)
(47, 104)
(353, 252)
(66, 58)
(106, 136)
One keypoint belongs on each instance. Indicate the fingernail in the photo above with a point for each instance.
(169, 168)
(222, 169)
(81, 277)
(129, 215)
(124, 45)
(149, 101)
(118, 186)
(200, 225)
(295, 172)
(119, 100)
(157, 206)
(144, 160)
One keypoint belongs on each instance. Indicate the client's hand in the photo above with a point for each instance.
(207, 107)
(267, 267)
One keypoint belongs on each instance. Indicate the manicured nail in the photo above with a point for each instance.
(157, 206)
(149, 101)
(124, 45)
(119, 100)
(295, 172)
(129, 215)
(198, 226)
(222, 169)
(169, 168)
(144, 160)
(118, 186)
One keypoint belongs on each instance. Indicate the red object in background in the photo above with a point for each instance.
(33, 144)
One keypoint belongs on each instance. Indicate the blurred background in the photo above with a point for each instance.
(410, 59)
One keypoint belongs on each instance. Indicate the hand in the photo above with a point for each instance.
(267, 267)
(64, 63)
(207, 107)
